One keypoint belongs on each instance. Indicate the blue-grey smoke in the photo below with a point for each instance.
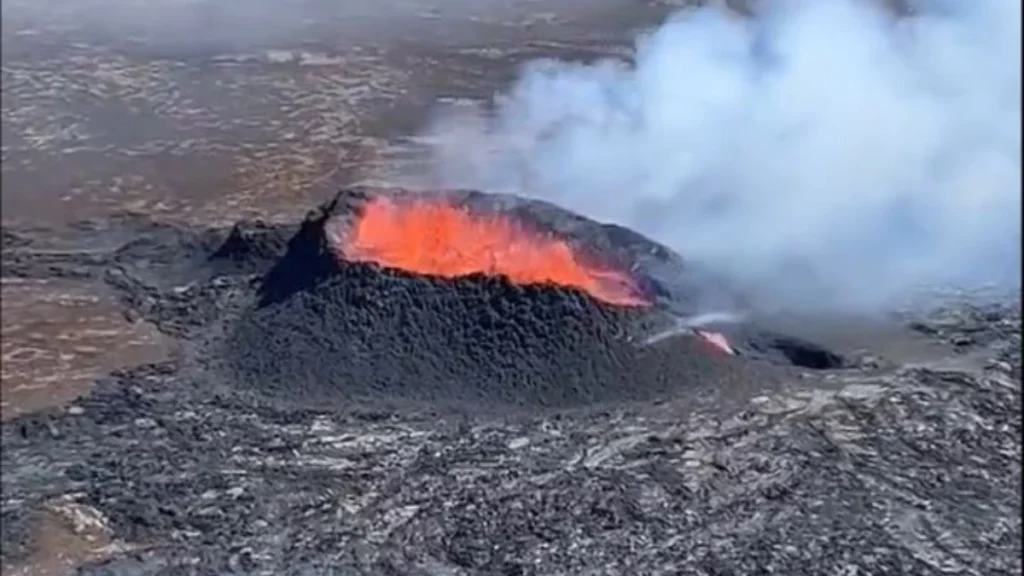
(826, 152)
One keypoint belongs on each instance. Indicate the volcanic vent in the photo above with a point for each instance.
(458, 299)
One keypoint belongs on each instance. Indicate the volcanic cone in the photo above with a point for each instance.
(385, 298)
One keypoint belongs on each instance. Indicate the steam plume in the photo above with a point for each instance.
(825, 151)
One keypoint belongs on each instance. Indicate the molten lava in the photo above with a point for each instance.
(442, 240)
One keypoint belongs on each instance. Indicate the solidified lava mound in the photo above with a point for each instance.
(341, 319)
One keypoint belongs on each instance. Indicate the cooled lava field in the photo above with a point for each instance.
(466, 383)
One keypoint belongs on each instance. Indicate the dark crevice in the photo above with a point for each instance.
(806, 354)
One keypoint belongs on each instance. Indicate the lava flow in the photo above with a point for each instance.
(439, 239)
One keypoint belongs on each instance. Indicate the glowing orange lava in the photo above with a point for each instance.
(442, 240)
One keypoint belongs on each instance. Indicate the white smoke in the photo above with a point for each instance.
(825, 151)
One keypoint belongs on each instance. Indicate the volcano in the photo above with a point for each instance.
(464, 299)
(461, 299)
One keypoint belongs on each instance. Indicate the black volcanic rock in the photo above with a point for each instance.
(250, 246)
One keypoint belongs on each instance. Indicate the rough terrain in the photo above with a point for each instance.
(127, 157)
(884, 466)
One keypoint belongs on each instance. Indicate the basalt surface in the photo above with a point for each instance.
(491, 428)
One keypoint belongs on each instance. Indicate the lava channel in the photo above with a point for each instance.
(434, 238)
